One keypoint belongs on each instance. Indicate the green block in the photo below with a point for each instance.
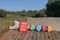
(32, 27)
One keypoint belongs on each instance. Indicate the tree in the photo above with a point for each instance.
(42, 12)
(3, 13)
(53, 9)
(51, 1)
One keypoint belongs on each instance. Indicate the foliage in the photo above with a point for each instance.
(42, 12)
(53, 9)
(23, 13)
(3, 13)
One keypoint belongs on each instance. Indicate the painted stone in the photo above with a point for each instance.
(32, 27)
(44, 28)
(49, 29)
(38, 28)
(23, 26)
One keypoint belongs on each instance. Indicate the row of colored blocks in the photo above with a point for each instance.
(39, 28)
(23, 27)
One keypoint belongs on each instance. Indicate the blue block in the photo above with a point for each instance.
(38, 28)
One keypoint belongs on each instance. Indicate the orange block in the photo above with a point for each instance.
(49, 29)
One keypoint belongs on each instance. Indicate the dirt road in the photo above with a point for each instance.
(31, 35)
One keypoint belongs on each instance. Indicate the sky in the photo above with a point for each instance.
(18, 5)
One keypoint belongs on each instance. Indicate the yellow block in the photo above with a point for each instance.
(49, 29)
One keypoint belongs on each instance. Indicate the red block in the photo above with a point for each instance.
(23, 26)
(44, 28)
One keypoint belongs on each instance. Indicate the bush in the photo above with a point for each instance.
(3, 13)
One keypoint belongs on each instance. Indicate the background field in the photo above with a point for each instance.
(8, 21)
(34, 35)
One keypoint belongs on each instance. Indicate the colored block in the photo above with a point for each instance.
(38, 28)
(44, 28)
(49, 29)
(32, 27)
(23, 26)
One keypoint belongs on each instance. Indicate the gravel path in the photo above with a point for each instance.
(31, 35)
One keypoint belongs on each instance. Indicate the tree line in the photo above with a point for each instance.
(30, 13)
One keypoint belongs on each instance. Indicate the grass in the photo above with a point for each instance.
(8, 21)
